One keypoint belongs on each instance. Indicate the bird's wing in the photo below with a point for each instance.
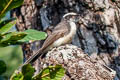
(51, 38)
(59, 31)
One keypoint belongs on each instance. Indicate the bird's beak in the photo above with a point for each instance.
(77, 18)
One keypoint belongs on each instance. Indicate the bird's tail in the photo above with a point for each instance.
(34, 57)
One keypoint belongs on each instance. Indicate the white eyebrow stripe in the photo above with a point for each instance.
(71, 13)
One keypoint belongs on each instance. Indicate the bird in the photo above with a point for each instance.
(62, 34)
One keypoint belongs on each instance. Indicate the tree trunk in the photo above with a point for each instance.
(98, 32)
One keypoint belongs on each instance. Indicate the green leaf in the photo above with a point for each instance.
(51, 73)
(33, 35)
(2, 67)
(17, 75)
(11, 38)
(6, 5)
(6, 25)
(28, 71)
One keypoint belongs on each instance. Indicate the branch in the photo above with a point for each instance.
(78, 65)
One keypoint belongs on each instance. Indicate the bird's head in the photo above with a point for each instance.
(74, 17)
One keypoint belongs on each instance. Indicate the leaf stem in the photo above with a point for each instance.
(44, 75)
(5, 7)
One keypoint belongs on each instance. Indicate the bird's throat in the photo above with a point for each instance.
(73, 29)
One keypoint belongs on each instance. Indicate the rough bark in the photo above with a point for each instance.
(79, 66)
(98, 32)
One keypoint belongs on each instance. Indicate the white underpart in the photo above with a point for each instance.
(67, 38)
